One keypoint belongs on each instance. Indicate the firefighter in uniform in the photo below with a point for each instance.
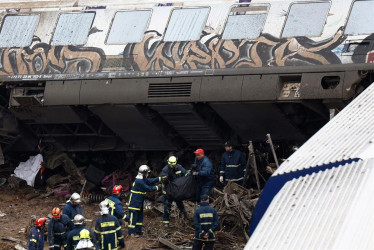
(115, 204)
(172, 171)
(74, 235)
(58, 227)
(73, 207)
(139, 189)
(36, 239)
(205, 221)
(108, 230)
(233, 165)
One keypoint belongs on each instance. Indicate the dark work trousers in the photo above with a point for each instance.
(198, 245)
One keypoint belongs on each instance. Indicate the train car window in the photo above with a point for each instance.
(361, 19)
(186, 24)
(306, 19)
(73, 28)
(128, 27)
(17, 31)
(245, 22)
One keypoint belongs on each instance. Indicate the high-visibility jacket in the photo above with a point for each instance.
(115, 207)
(109, 233)
(139, 189)
(74, 237)
(58, 230)
(36, 239)
(172, 173)
(233, 165)
(71, 211)
(205, 221)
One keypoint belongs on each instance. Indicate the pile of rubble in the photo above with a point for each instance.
(234, 205)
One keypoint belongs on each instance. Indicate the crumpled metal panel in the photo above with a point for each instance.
(331, 209)
(306, 19)
(17, 31)
(361, 18)
(128, 27)
(73, 28)
(186, 24)
(244, 26)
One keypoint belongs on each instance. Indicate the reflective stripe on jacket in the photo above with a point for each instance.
(109, 233)
(139, 189)
(205, 221)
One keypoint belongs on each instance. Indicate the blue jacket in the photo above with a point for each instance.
(74, 238)
(71, 211)
(206, 170)
(36, 239)
(58, 229)
(109, 233)
(233, 165)
(139, 190)
(205, 221)
(115, 207)
(172, 173)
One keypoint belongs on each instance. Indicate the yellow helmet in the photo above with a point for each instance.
(84, 234)
(172, 160)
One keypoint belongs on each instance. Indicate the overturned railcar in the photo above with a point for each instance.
(140, 75)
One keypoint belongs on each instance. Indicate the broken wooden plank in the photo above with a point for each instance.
(168, 244)
(11, 239)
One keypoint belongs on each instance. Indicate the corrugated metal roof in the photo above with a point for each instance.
(348, 135)
(331, 209)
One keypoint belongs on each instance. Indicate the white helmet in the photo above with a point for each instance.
(75, 197)
(104, 207)
(78, 219)
(143, 170)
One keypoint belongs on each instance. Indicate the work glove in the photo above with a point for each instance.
(165, 179)
(159, 186)
(221, 179)
(51, 247)
(195, 173)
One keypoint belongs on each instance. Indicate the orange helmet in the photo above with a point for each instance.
(40, 221)
(56, 213)
(117, 189)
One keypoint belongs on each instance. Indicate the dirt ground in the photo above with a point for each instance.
(19, 212)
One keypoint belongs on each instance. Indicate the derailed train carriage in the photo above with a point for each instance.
(140, 75)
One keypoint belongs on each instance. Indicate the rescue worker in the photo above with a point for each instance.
(108, 230)
(233, 165)
(73, 207)
(58, 227)
(85, 242)
(204, 172)
(74, 235)
(115, 204)
(172, 171)
(206, 222)
(139, 189)
(36, 239)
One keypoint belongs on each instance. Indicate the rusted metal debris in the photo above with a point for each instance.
(235, 206)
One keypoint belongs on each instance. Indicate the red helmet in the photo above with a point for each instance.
(117, 189)
(56, 213)
(40, 221)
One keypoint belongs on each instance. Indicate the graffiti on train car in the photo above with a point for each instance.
(211, 52)
(42, 58)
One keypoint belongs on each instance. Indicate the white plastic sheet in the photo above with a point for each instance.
(29, 169)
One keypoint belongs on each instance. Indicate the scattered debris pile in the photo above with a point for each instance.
(235, 206)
